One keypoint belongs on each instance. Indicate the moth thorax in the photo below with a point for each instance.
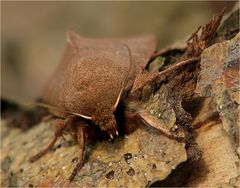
(105, 119)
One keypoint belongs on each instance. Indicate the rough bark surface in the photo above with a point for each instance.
(138, 159)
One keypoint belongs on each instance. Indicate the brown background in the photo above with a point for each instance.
(33, 34)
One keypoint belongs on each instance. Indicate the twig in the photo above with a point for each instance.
(177, 65)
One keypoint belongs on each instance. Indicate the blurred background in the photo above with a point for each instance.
(33, 34)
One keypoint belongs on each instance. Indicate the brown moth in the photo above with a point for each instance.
(90, 82)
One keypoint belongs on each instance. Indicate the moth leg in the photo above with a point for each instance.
(60, 127)
(81, 143)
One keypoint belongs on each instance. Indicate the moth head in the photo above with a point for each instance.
(105, 119)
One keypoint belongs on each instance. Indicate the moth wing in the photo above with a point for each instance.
(92, 71)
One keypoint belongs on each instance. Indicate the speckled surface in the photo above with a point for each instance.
(219, 79)
(137, 159)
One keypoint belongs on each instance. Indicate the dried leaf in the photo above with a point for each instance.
(198, 42)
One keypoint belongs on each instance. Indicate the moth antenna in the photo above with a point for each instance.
(81, 115)
(126, 78)
(55, 108)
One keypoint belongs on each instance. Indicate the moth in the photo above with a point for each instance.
(94, 76)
